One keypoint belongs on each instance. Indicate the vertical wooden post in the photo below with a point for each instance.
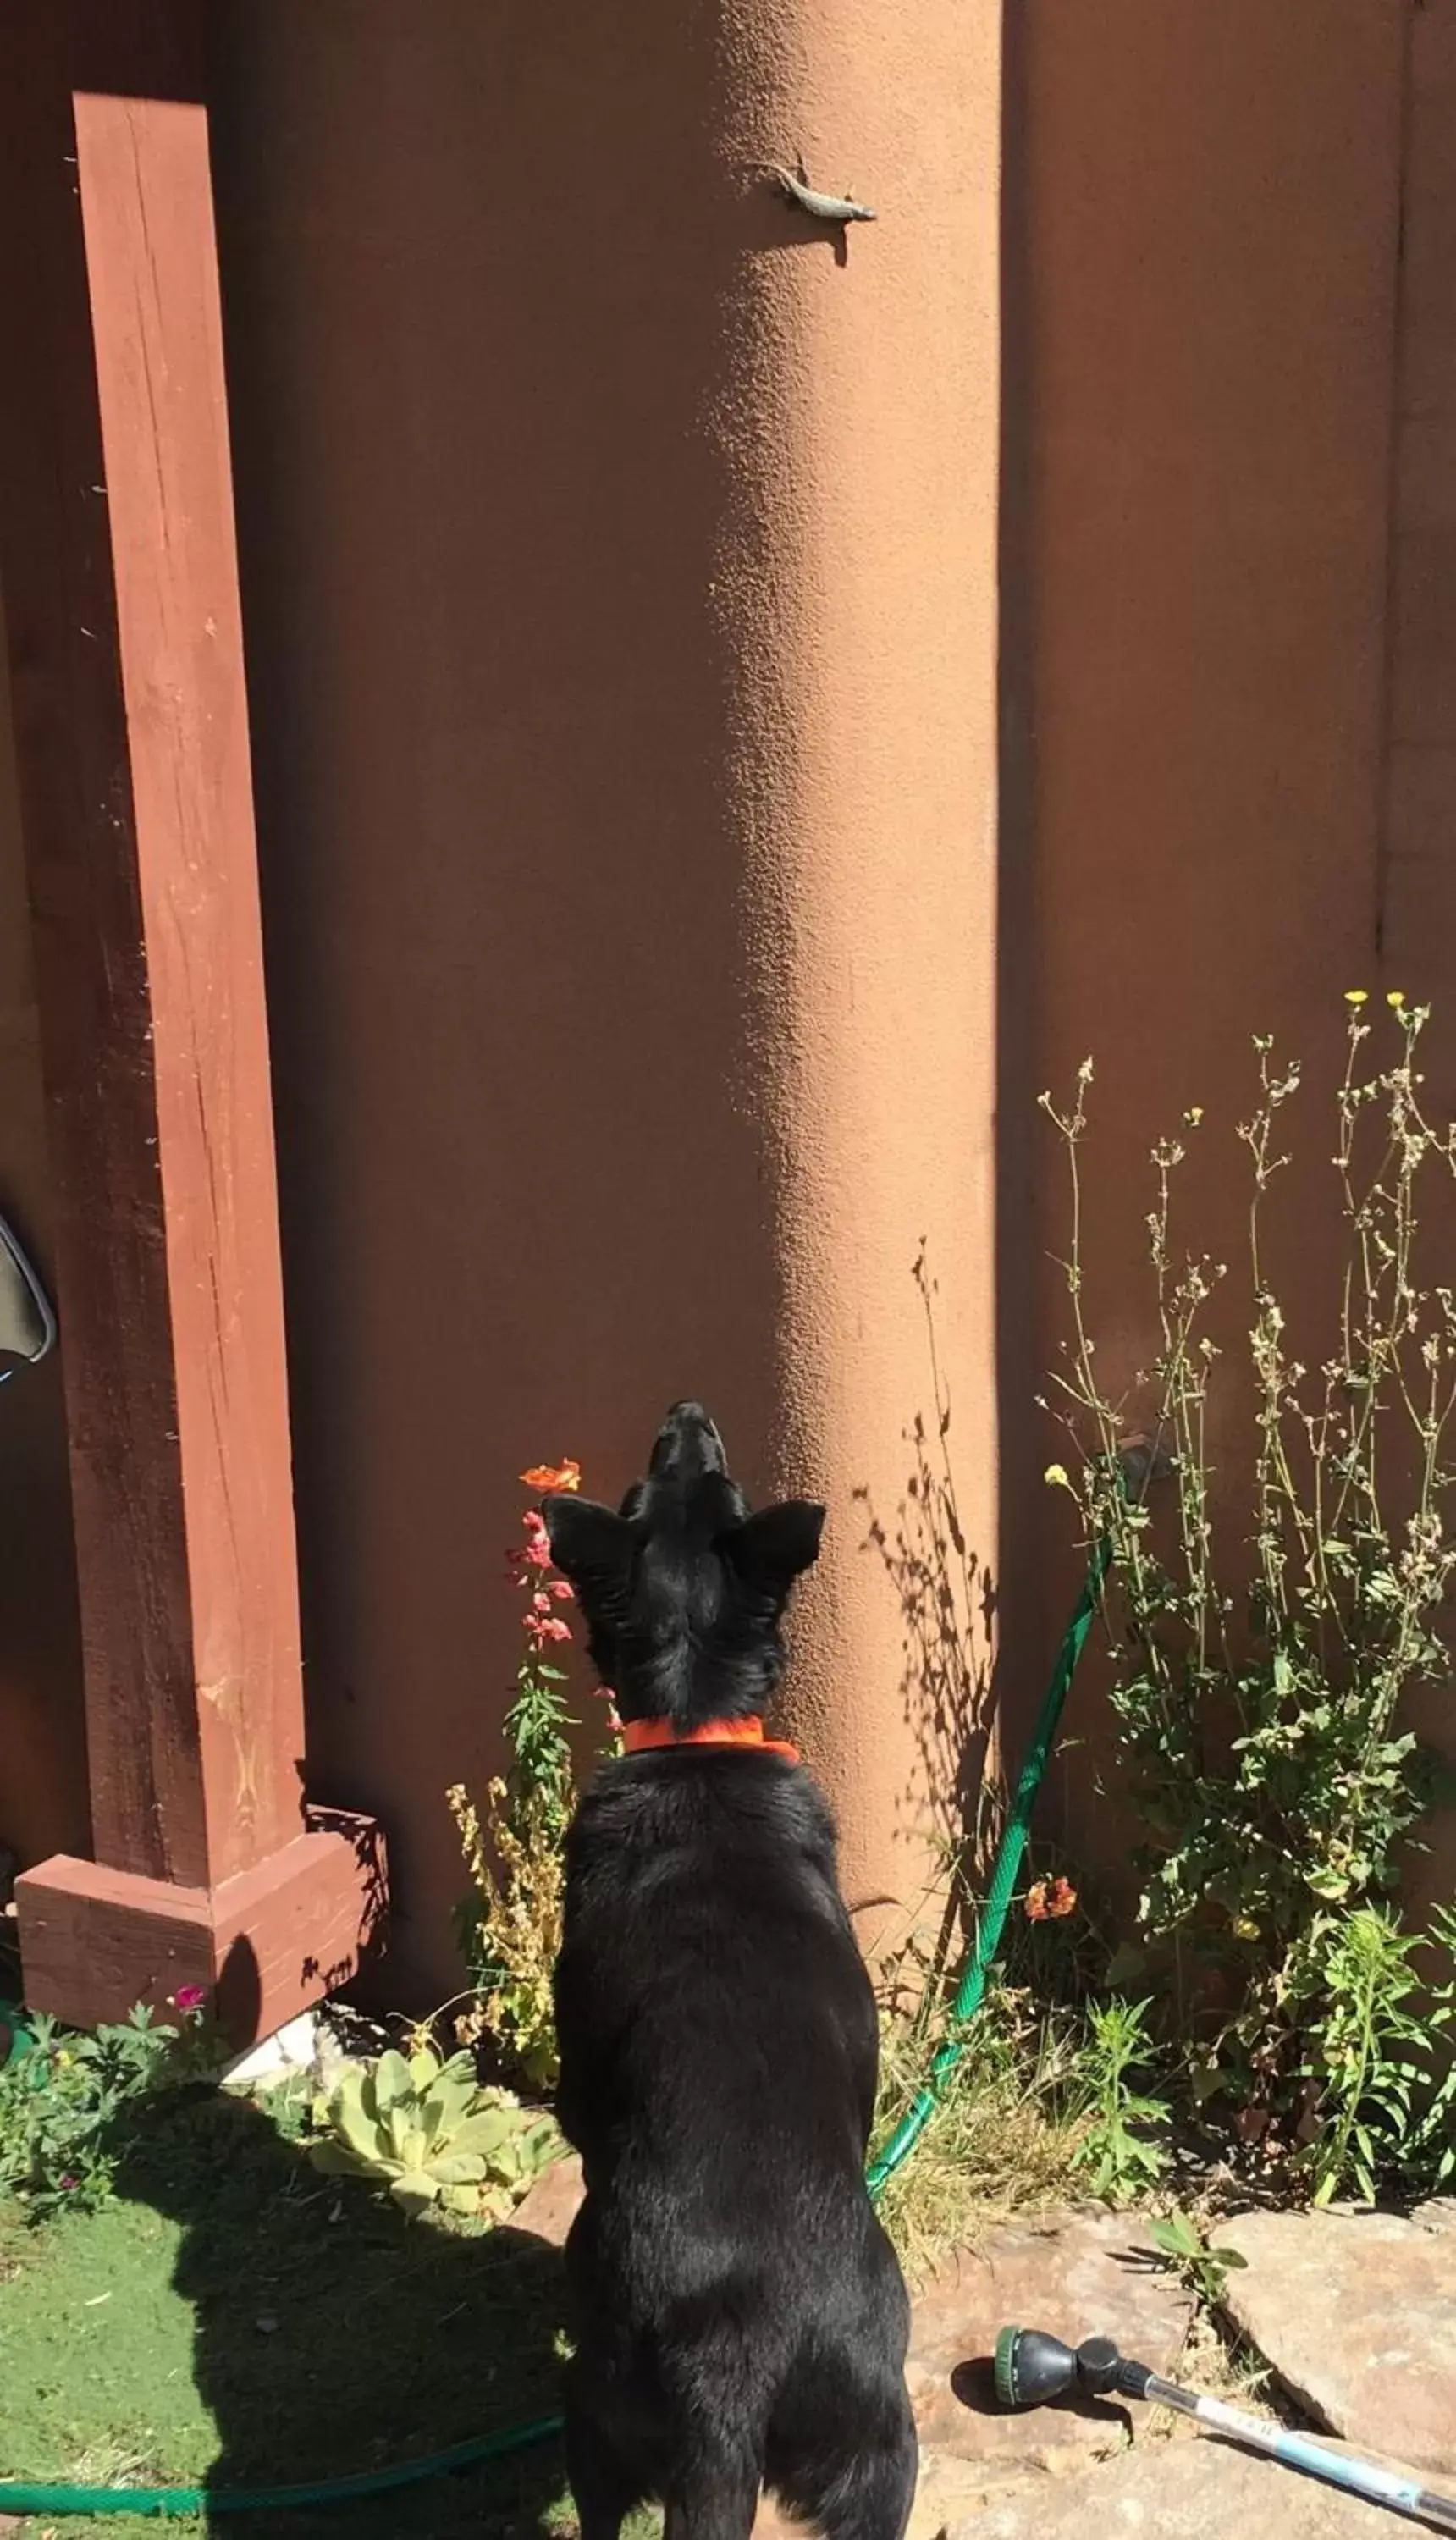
(120, 571)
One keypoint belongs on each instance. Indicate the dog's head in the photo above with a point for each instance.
(683, 1588)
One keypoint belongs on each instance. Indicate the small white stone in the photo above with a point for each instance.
(291, 2048)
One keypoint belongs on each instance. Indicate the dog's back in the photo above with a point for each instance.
(742, 2317)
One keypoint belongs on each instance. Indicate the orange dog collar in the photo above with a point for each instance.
(639, 1735)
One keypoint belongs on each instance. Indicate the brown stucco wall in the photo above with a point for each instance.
(619, 581)
(1418, 874)
(43, 1804)
(1204, 300)
(650, 964)
(1417, 841)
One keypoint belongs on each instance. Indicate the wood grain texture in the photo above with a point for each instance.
(146, 198)
(94, 1940)
(296, 1926)
(117, 541)
(266, 1944)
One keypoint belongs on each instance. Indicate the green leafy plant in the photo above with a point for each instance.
(510, 1924)
(1384, 2092)
(68, 2098)
(422, 2127)
(1122, 2164)
(1423, 2151)
(1203, 2268)
(1262, 1720)
(1007, 2120)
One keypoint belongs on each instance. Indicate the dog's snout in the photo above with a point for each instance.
(689, 1443)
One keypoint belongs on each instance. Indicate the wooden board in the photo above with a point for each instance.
(264, 1944)
(117, 543)
(118, 562)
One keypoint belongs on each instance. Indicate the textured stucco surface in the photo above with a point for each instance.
(628, 587)
(619, 581)
(1203, 258)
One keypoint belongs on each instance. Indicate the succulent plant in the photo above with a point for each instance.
(426, 2129)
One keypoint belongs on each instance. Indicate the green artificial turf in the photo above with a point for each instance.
(233, 2318)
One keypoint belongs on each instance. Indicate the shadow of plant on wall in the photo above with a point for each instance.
(947, 1608)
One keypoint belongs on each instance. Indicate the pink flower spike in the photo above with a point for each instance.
(561, 1589)
(523, 1559)
(541, 1601)
(535, 1524)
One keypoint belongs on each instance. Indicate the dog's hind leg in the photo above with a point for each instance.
(868, 2493)
(717, 2501)
(604, 2487)
(873, 2501)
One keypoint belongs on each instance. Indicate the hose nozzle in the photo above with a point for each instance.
(1034, 2367)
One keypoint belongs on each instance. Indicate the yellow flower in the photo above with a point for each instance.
(1395, 998)
(1056, 1475)
(1356, 996)
(1194, 1116)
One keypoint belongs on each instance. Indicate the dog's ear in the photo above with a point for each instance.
(770, 1550)
(590, 1544)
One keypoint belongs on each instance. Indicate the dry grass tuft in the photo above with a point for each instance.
(998, 2142)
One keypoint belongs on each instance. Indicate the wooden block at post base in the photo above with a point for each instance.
(267, 1944)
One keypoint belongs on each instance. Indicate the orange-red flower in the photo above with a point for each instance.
(533, 1554)
(1049, 1900)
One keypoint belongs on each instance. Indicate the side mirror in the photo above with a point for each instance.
(27, 1323)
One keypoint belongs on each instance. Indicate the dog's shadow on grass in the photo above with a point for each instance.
(334, 2334)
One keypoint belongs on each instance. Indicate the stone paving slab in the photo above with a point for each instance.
(1356, 2313)
(1074, 2272)
(948, 2492)
(549, 2206)
(1199, 2491)
(1077, 2273)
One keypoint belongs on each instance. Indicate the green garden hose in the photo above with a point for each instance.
(1003, 1877)
(19, 2497)
(16, 2034)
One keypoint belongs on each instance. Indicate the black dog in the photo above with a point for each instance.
(741, 2315)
